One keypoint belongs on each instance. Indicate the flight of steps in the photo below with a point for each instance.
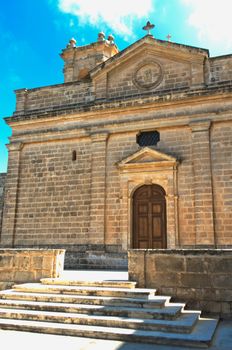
(115, 310)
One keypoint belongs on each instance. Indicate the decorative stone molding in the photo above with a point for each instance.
(98, 137)
(198, 126)
(149, 166)
(148, 75)
(15, 146)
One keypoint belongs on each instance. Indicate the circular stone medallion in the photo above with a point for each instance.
(148, 75)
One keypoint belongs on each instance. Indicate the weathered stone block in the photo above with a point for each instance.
(219, 265)
(21, 262)
(6, 285)
(37, 262)
(186, 293)
(195, 280)
(169, 263)
(164, 279)
(211, 292)
(222, 281)
(136, 267)
(22, 276)
(5, 261)
(196, 264)
(205, 293)
(226, 308)
(6, 276)
(223, 294)
(27, 265)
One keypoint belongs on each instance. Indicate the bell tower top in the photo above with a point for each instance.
(80, 60)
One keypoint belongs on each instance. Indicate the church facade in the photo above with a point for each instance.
(132, 151)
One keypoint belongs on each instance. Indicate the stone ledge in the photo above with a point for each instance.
(16, 250)
(209, 251)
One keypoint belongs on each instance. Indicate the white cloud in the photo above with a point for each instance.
(212, 19)
(119, 15)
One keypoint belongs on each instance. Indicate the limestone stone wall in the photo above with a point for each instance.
(54, 96)
(54, 194)
(178, 143)
(220, 69)
(175, 141)
(79, 203)
(221, 156)
(174, 75)
(29, 265)
(119, 146)
(203, 278)
(2, 185)
(65, 186)
(119, 84)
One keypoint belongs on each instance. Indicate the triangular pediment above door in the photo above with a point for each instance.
(147, 157)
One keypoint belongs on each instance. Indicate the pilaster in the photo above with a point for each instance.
(203, 196)
(7, 238)
(98, 189)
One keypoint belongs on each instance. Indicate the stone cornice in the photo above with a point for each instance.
(201, 125)
(99, 137)
(155, 101)
(15, 146)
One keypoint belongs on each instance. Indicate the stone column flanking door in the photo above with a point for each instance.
(98, 189)
(7, 238)
(203, 192)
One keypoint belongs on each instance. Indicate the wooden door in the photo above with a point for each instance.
(149, 217)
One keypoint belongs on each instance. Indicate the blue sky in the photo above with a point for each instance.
(34, 32)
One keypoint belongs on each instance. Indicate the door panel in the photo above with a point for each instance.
(142, 245)
(156, 208)
(143, 208)
(149, 217)
(156, 227)
(157, 245)
(143, 228)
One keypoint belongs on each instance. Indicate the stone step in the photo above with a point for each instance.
(183, 324)
(85, 290)
(100, 260)
(154, 301)
(108, 284)
(171, 311)
(200, 336)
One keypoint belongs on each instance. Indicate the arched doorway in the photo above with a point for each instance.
(149, 218)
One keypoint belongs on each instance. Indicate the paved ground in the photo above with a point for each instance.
(12, 340)
(32, 341)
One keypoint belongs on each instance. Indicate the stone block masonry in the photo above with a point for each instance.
(2, 185)
(203, 278)
(29, 265)
(75, 166)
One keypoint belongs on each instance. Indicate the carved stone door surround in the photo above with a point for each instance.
(146, 167)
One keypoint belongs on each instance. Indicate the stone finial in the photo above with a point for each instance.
(72, 43)
(101, 36)
(169, 37)
(111, 39)
(148, 27)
